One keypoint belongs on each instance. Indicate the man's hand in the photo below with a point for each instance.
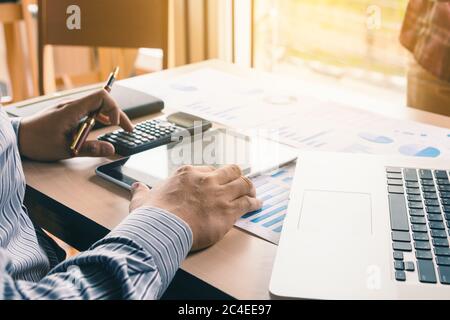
(47, 136)
(208, 200)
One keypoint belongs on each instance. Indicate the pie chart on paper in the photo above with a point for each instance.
(414, 150)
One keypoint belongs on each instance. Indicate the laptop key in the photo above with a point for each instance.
(446, 208)
(415, 205)
(393, 170)
(426, 174)
(391, 175)
(444, 274)
(444, 182)
(413, 191)
(395, 182)
(409, 266)
(445, 202)
(431, 203)
(436, 225)
(417, 212)
(411, 184)
(400, 275)
(396, 189)
(440, 242)
(398, 255)
(435, 217)
(414, 197)
(424, 255)
(443, 261)
(429, 189)
(399, 265)
(440, 174)
(430, 195)
(422, 245)
(399, 215)
(401, 246)
(410, 175)
(426, 271)
(440, 251)
(438, 234)
(418, 220)
(419, 228)
(443, 187)
(401, 236)
(433, 209)
(418, 236)
(427, 182)
(444, 194)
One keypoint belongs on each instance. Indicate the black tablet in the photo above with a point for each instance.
(217, 148)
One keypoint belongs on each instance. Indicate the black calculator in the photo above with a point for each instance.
(154, 133)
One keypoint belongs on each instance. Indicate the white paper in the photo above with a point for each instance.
(298, 115)
(273, 188)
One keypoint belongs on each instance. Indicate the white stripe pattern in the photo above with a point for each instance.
(137, 260)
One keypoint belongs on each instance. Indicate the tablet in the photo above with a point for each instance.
(255, 155)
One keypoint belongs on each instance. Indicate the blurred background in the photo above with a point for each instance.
(339, 40)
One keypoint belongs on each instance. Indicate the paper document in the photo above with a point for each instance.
(288, 110)
(273, 189)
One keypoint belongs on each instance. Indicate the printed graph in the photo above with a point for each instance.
(273, 189)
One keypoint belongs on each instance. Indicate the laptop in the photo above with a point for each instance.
(365, 227)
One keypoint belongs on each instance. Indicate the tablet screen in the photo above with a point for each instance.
(214, 148)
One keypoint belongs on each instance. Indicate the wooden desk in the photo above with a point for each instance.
(240, 265)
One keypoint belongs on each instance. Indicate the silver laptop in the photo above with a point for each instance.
(366, 227)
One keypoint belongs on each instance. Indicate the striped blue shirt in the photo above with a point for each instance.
(137, 260)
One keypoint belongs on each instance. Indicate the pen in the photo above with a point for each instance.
(89, 123)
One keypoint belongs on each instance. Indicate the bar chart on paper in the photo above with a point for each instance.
(273, 189)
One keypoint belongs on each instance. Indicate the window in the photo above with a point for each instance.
(342, 38)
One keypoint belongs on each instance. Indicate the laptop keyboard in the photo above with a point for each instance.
(419, 204)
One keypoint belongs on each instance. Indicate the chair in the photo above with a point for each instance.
(104, 23)
(21, 63)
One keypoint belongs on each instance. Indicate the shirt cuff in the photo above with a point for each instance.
(166, 237)
(15, 122)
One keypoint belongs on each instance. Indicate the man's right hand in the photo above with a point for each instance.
(209, 200)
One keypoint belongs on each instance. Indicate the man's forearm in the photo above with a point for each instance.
(137, 260)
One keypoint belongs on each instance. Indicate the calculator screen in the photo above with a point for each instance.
(214, 148)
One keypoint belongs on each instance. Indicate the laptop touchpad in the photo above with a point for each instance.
(327, 213)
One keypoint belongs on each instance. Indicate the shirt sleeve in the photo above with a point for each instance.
(15, 122)
(137, 260)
